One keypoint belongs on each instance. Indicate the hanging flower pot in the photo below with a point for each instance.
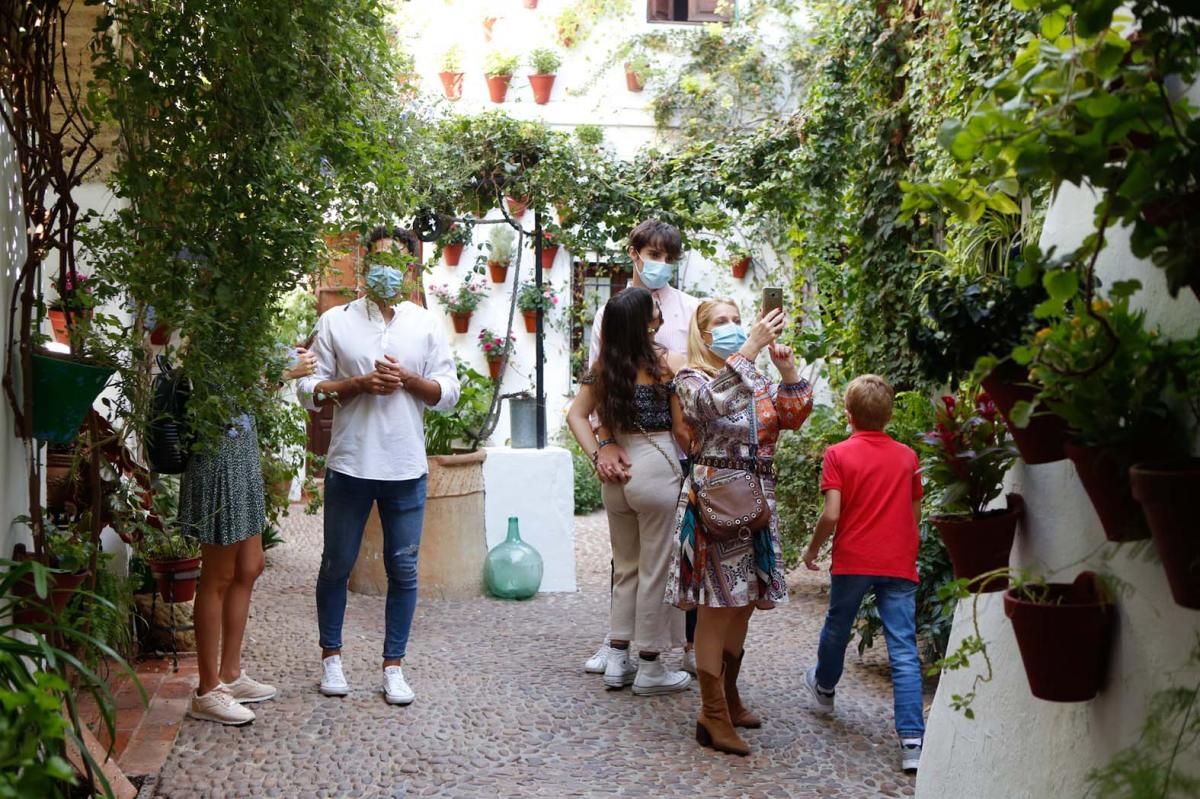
(488, 23)
(58, 324)
(981, 544)
(542, 85)
(1169, 493)
(495, 367)
(498, 87)
(462, 320)
(160, 335)
(530, 321)
(1043, 439)
(1104, 473)
(452, 253)
(517, 206)
(30, 610)
(498, 271)
(633, 81)
(549, 253)
(63, 391)
(1063, 633)
(531, 4)
(452, 84)
(740, 267)
(176, 578)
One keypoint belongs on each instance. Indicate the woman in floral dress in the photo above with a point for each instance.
(728, 580)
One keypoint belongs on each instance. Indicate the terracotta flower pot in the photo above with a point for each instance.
(549, 253)
(981, 544)
(1169, 493)
(517, 206)
(542, 85)
(740, 267)
(29, 610)
(498, 87)
(632, 82)
(60, 487)
(530, 321)
(488, 23)
(462, 320)
(1064, 639)
(495, 367)
(452, 84)
(1104, 472)
(531, 4)
(452, 253)
(176, 578)
(58, 323)
(498, 271)
(1043, 439)
(160, 335)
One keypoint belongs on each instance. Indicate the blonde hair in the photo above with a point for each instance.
(869, 400)
(700, 357)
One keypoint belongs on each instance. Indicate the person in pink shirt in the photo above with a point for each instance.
(872, 487)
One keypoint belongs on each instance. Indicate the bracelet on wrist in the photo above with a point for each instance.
(602, 443)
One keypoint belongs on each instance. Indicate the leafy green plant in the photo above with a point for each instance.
(532, 298)
(500, 244)
(968, 453)
(497, 63)
(452, 59)
(587, 484)
(494, 346)
(589, 135)
(544, 61)
(459, 233)
(465, 299)
(446, 431)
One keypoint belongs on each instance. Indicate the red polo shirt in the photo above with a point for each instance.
(879, 478)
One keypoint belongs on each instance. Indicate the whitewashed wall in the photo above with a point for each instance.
(1019, 747)
(13, 484)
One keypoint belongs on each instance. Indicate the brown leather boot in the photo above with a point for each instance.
(713, 727)
(738, 713)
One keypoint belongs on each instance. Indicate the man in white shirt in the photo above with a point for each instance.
(381, 360)
(655, 247)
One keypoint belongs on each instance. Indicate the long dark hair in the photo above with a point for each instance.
(626, 346)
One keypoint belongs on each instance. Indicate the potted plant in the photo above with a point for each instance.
(74, 298)
(637, 69)
(460, 302)
(965, 459)
(739, 260)
(64, 389)
(496, 350)
(452, 74)
(545, 64)
(498, 68)
(1104, 373)
(1169, 490)
(568, 25)
(532, 299)
(1063, 631)
(457, 237)
(69, 549)
(173, 558)
(531, 4)
(500, 252)
(550, 246)
(517, 206)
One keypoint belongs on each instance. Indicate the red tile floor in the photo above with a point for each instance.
(145, 733)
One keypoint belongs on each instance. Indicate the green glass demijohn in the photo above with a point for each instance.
(513, 569)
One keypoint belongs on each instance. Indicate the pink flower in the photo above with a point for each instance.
(554, 300)
(949, 402)
(487, 346)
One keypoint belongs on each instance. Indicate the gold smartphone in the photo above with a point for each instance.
(772, 298)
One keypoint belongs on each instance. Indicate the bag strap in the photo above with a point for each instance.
(674, 462)
(753, 426)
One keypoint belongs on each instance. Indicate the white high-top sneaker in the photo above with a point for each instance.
(653, 678)
(619, 671)
(334, 682)
(597, 662)
(395, 687)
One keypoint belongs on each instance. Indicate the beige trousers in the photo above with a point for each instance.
(641, 528)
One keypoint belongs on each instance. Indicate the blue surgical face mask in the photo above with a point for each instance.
(384, 282)
(727, 339)
(655, 274)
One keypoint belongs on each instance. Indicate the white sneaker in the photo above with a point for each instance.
(823, 696)
(596, 663)
(618, 670)
(248, 691)
(653, 678)
(217, 705)
(910, 754)
(334, 682)
(689, 661)
(395, 688)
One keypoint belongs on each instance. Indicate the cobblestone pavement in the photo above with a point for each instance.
(504, 709)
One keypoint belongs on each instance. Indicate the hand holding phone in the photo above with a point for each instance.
(772, 298)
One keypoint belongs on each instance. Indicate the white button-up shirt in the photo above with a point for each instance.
(380, 437)
(677, 311)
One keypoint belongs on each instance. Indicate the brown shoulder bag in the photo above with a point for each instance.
(732, 503)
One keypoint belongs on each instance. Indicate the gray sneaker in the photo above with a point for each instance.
(910, 754)
(823, 696)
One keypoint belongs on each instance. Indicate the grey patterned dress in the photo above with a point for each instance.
(222, 498)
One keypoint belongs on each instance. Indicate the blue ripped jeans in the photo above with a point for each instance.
(896, 599)
(347, 506)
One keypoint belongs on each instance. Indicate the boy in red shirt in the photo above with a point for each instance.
(872, 487)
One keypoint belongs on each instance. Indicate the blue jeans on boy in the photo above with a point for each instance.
(348, 503)
(896, 599)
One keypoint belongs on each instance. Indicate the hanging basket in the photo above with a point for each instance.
(1169, 493)
(63, 391)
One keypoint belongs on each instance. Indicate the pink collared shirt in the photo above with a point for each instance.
(677, 310)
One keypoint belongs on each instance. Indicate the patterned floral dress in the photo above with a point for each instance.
(738, 572)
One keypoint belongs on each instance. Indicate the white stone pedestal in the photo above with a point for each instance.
(538, 487)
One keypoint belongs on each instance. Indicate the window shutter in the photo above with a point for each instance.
(659, 10)
(706, 11)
